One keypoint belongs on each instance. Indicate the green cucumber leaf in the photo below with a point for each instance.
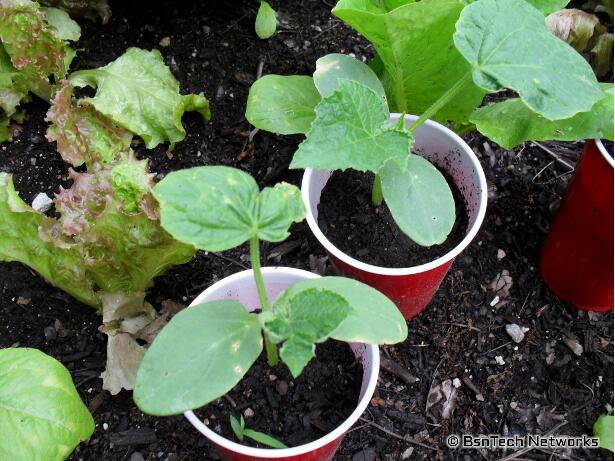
(351, 131)
(41, 414)
(414, 44)
(303, 319)
(282, 104)
(266, 21)
(216, 208)
(64, 27)
(420, 200)
(139, 92)
(603, 429)
(509, 123)
(369, 307)
(83, 134)
(333, 67)
(509, 45)
(198, 357)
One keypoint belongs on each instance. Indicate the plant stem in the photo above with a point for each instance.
(377, 191)
(272, 351)
(436, 106)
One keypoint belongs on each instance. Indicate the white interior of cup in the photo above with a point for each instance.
(440, 146)
(242, 287)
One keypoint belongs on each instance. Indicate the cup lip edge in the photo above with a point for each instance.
(412, 270)
(371, 350)
(605, 153)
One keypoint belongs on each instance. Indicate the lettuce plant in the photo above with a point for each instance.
(205, 350)
(436, 58)
(33, 47)
(41, 414)
(107, 245)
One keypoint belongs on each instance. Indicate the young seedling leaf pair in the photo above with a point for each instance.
(239, 428)
(206, 349)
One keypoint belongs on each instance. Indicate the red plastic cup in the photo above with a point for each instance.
(411, 288)
(577, 256)
(241, 287)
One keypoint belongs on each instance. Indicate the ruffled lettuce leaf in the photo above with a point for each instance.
(35, 47)
(83, 134)
(139, 92)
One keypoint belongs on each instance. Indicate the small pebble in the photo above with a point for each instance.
(248, 412)
(515, 332)
(457, 383)
(42, 202)
(407, 453)
(501, 254)
(573, 345)
(499, 360)
(105, 426)
(165, 41)
(494, 301)
(282, 387)
(136, 456)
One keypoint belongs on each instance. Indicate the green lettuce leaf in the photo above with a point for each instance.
(351, 131)
(509, 123)
(65, 28)
(20, 241)
(13, 92)
(83, 134)
(548, 6)
(35, 48)
(41, 414)
(420, 63)
(125, 246)
(139, 92)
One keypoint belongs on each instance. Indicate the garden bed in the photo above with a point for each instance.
(532, 387)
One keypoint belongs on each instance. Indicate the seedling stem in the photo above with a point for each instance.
(272, 351)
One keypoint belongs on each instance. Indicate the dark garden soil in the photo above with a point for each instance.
(294, 411)
(348, 218)
(558, 379)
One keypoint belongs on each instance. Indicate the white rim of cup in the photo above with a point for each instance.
(482, 207)
(339, 431)
(605, 153)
